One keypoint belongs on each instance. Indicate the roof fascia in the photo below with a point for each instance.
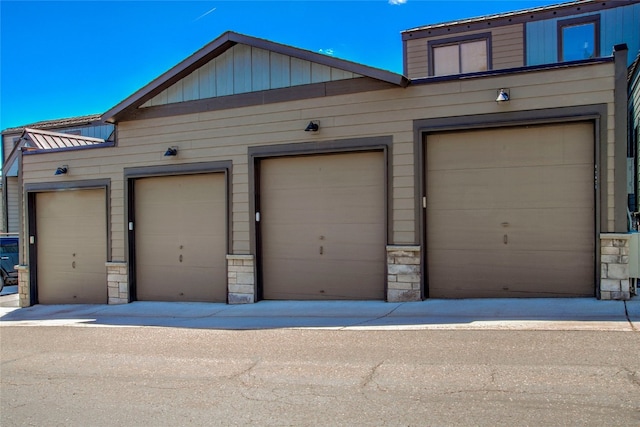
(13, 156)
(184, 68)
(517, 17)
(75, 122)
(59, 149)
(219, 46)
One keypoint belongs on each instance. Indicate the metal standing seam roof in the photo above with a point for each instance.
(57, 123)
(46, 140)
(534, 10)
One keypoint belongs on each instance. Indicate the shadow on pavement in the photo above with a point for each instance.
(553, 313)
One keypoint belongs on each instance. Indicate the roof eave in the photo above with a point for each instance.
(221, 44)
(507, 18)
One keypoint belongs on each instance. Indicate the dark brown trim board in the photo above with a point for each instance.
(130, 176)
(30, 192)
(293, 93)
(594, 113)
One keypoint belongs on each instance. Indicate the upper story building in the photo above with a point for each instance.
(553, 34)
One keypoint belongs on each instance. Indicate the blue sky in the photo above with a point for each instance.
(64, 59)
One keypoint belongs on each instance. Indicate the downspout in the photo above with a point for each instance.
(621, 224)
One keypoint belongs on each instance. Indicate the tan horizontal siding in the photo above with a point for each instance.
(507, 49)
(417, 58)
(7, 144)
(225, 135)
(13, 205)
(508, 46)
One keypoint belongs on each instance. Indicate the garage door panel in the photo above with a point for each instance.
(494, 275)
(511, 212)
(181, 238)
(323, 226)
(512, 187)
(71, 247)
(200, 278)
(528, 229)
(549, 146)
(342, 280)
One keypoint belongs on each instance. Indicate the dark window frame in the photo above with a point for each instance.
(459, 41)
(572, 22)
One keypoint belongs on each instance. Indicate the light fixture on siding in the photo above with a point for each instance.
(503, 95)
(171, 152)
(62, 170)
(313, 126)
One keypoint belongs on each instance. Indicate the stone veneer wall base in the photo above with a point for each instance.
(241, 283)
(117, 283)
(614, 267)
(403, 273)
(24, 287)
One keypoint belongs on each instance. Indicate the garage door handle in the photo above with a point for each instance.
(321, 250)
(506, 239)
(180, 258)
(4, 258)
(73, 264)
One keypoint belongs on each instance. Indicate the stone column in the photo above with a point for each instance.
(241, 282)
(614, 267)
(24, 287)
(403, 273)
(117, 282)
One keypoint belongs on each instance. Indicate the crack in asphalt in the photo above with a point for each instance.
(633, 376)
(244, 372)
(374, 319)
(368, 379)
(626, 314)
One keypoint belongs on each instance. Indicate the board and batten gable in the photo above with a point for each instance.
(243, 69)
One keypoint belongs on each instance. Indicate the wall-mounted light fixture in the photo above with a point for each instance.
(62, 170)
(503, 95)
(171, 151)
(313, 126)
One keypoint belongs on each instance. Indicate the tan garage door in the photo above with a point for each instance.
(510, 212)
(323, 226)
(72, 247)
(180, 238)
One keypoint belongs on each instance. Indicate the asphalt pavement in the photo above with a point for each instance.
(501, 314)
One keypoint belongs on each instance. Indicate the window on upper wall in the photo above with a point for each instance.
(468, 54)
(579, 38)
